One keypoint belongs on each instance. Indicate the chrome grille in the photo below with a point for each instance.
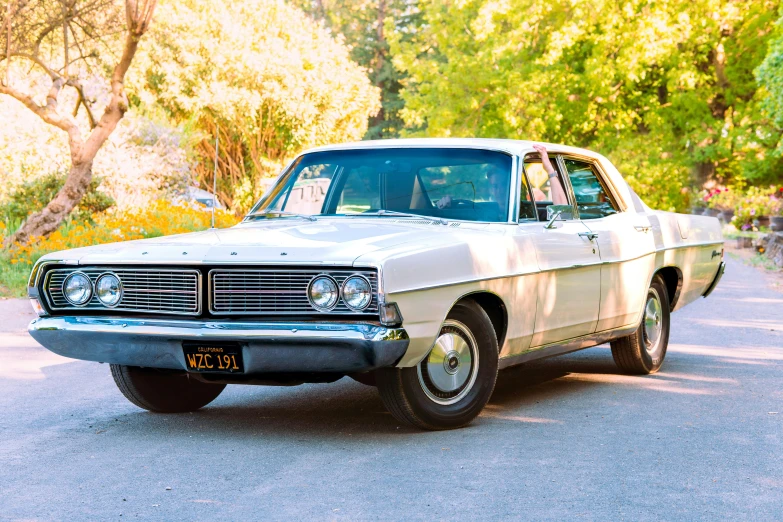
(277, 291)
(160, 291)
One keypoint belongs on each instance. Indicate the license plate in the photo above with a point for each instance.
(213, 357)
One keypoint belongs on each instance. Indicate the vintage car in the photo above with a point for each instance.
(420, 266)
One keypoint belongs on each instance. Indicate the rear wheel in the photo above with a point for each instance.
(643, 351)
(163, 391)
(451, 386)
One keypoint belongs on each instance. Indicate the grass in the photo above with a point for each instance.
(13, 277)
(762, 261)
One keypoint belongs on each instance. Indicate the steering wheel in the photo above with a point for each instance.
(461, 203)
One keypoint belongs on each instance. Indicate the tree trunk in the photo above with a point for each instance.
(45, 222)
(83, 151)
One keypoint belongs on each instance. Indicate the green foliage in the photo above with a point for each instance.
(770, 75)
(268, 80)
(365, 24)
(665, 89)
(13, 277)
(34, 195)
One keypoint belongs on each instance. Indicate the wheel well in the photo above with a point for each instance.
(495, 309)
(672, 278)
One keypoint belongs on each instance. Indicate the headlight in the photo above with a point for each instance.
(323, 293)
(357, 293)
(108, 288)
(77, 289)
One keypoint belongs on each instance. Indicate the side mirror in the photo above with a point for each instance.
(563, 212)
(555, 212)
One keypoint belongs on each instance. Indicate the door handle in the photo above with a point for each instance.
(589, 235)
(642, 228)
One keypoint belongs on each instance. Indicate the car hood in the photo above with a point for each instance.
(287, 240)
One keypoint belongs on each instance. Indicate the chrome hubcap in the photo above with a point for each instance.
(653, 321)
(449, 371)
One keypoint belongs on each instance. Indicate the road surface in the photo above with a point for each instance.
(565, 438)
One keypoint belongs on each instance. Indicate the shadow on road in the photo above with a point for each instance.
(328, 411)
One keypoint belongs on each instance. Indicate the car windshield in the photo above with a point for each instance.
(463, 184)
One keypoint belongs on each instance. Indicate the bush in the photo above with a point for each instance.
(34, 195)
(162, 218)
(757, 202)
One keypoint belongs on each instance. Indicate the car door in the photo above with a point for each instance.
(624, 240)
(568, 285)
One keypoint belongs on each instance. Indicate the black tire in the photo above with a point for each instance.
(410, 394)
(637, 354)
(163, 391)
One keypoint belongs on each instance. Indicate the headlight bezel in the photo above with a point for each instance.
(333, 302)
(347, 303)
(119, 286)
(90, 293)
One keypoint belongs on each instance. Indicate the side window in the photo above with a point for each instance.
(539, 180)
(592, 197)
(540, 186)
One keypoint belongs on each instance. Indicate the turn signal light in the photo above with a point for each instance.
(390, 314)
(37, 308)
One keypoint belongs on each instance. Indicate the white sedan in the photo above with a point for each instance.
(419, 266)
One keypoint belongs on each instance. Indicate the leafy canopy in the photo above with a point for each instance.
(665, 89)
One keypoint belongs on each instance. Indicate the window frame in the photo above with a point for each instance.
(281, 180)
(560, 168)
(599, 174)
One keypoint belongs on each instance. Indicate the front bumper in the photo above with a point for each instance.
(266, 347)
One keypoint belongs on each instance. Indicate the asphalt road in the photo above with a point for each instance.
(563, 438)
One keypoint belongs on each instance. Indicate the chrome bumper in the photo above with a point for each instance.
(266, 347)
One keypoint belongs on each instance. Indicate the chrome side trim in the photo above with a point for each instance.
(561, 348)
(572, 267)
(691, 245)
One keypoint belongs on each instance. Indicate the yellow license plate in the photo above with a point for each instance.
(213, 358)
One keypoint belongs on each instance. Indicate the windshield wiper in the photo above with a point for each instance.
(383, 212)
(308, 217)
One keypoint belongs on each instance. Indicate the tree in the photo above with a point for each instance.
(365, 26)
(665, 89)
(270, 81)
(770, 76)
(66, 41)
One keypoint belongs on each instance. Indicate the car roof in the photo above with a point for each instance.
(518, 147)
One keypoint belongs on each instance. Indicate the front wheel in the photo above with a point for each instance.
(643, 351)
(451, 386)
(163, 391)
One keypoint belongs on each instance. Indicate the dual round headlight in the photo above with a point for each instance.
(78, 289)
(323, 293)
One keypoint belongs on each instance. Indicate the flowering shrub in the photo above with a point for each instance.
(777, 202)
(757, 202)
(722, 199)
(159, 219)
